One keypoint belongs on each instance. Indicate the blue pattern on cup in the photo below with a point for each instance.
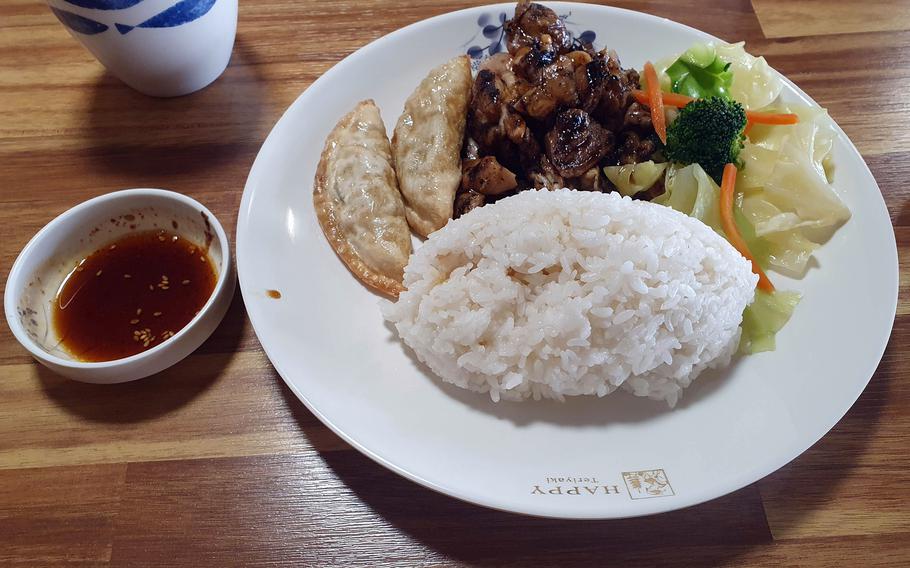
(77, 23)
(180, 13)
(104, 4)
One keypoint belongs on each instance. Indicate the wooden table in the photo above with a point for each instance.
(215, 463)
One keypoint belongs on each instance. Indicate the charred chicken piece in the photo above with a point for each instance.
(532, 22)
(485, 111)
(530, 61)
(592, 180)
(545, 175)
(555, 89)
(500, 64)
(467, 201)
(605, 88)
(634, 148)
(486, 176)
(497, 128)
(589, 83)
(576, 143)
(615, 97)
(637, 116)
(511, 85)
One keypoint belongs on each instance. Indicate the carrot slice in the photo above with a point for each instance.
(679, 101)
(771, 118)
(727, 185)
(669, 99)
(656, 102)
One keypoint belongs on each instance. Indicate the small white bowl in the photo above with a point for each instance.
(51, 254)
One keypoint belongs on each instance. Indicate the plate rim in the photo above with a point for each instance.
(734, 482)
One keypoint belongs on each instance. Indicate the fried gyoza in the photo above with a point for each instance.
(357, 200)
(427, 145)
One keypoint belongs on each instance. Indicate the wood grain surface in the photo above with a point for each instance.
(215, 463)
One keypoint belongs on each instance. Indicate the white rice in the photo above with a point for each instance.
(549, 294)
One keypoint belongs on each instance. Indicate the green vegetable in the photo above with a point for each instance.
(786, 188)
(758, 247)
(688, 189)
(630, 179)
(700, 73)
(708, 132)
(764, 318)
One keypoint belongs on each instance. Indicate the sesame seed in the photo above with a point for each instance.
(98, 273)
(138, 311)
(201, 259)
(112, 247)
(185, 282)
(78, 269)
(165, 287)
(156, 314)
(127, 275)
(161, 238)
(134, 321)
(151, 287)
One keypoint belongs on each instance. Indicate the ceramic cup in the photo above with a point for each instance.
(163, 48)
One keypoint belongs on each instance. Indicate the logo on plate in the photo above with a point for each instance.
(647, 483)
(575, 486)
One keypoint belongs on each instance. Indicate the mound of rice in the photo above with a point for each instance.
(549, 294)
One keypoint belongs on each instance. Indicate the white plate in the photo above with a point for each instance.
(588, 458)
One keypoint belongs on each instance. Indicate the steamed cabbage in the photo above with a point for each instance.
(755, 83)
(786, 192)
(690, 190)
(785, 205)
(763, 318)
(630, 179)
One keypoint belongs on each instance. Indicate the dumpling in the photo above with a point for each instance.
(427, 144)
(357, 200)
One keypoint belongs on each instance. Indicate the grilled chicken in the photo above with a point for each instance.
(466, 201)
(487, 176)
(496, 127)
(534, 23)
(549, 113)
(576, 143)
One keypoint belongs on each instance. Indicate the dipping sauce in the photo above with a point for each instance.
(131, 295)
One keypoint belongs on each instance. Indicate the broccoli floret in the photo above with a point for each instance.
(708, 132)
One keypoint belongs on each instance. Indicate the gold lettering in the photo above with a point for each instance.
(537, 490)
(556, 490)
(572, 491)
(608, 491)
(591, 490)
